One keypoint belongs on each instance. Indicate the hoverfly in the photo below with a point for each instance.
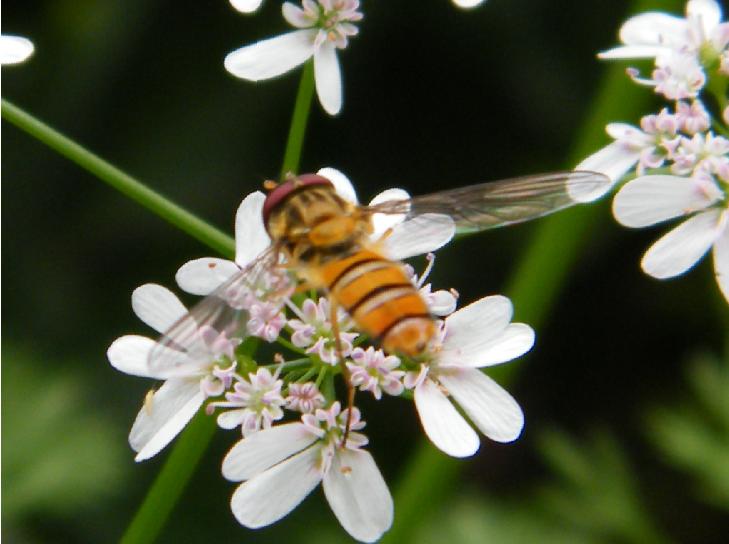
(324, 242)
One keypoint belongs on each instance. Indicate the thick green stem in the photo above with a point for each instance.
(536, 282)
(295, 142)
(134, 189)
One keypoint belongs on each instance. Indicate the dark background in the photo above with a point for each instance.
(435, 97)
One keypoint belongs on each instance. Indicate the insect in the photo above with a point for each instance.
(325, 242)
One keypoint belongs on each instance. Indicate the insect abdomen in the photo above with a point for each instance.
(381, 299)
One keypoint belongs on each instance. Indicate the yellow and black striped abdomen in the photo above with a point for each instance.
(381, 299)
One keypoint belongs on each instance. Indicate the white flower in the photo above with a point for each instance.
(652, 34)
(304, 397)
(325, 26)
(703, 153)
(280, 466)
(15, 49)
(692, 118)
(190, 377)
(475, 336)
(256, 403)
(648, 147)
(313, 330)
(649, 200)
(374, 371)
(677, 76)
(266, 320)
(466, 4)
(440, 302)
(246, 6)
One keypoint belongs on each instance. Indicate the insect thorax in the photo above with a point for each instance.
(314, 225)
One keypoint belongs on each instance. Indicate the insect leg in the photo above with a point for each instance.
(333, 307)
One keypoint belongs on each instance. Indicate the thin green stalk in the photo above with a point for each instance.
(295, 142)
(126, 184)
(536, 282)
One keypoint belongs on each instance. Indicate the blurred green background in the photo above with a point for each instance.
(626, 393)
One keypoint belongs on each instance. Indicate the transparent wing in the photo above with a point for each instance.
(501, 203)
(218, 323)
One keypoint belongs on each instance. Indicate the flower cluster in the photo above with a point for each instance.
(295, 432)
(324, 26)
(680, 155)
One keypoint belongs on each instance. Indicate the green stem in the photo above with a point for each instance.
(134, 189)
(176, 472)
(536, 282)
(171, 481)
(295, 141)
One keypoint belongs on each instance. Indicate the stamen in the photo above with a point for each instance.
(149, 402)
(430, 257)
(294, 308)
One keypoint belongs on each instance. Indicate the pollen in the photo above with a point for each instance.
(149, 402)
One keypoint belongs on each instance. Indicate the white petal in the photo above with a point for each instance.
(422, 234)
(130, 354)
(272, 57)
(633, 52)
(654, 28)
(707, 12)
(648, 200)
(358, 495)
(246, 6)
(442, 303)
(203, 276)
(272, 494)
(295, 16)
(582, 188)
(445, 427)
(489, 406)
(157, 306)
(721, 260)
(261, 450)
(159, 421)
(682, 247)
(230, 419)
(14, 49)
(328, 78)
(513, 341)
(382, 222)
(613, 160)
(474, 325)
(341, 183)
(251, 237)
(467, 3)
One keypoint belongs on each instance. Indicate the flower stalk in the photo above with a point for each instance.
(295, 141)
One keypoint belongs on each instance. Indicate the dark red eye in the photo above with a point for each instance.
(286, 189)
